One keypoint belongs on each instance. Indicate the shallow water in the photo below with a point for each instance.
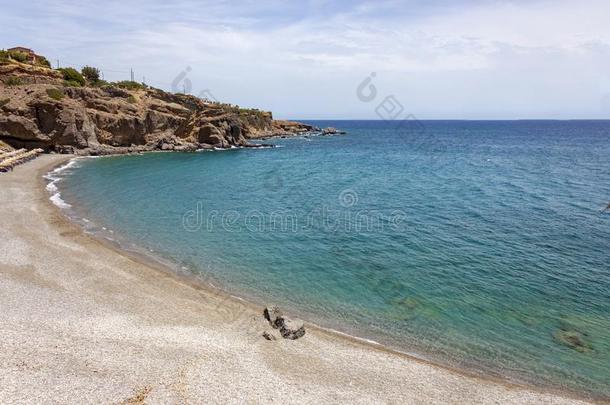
(475, 244)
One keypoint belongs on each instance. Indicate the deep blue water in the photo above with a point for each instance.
(475, 244)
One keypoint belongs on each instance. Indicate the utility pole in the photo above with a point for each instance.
(57, 63)
(132, 74)
(144, 80)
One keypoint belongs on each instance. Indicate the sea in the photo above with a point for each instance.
(478, 245)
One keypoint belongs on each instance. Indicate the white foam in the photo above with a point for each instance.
(53, 177)
(51, 187)
(56, 199)
(60, 169)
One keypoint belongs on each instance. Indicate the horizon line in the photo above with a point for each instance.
(446, 119)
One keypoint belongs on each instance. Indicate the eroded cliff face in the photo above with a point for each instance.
(38, 111)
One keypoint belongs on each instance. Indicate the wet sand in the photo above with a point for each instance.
(81, 322)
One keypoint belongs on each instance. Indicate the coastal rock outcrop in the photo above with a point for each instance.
(332, 131)
(39, 109)
(287, 128)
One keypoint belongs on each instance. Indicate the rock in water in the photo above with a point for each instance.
(573, 339)
(332, 131)
(292, 329)
(274, 316)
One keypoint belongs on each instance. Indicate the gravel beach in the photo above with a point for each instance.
(80, 322)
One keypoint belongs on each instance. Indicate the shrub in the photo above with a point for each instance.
(3, 55)
(129, 85)
(251, 112)
(55, 94)
(92, 74)
(131, 99)
(4, 102)
(42, 61)
(72, 77)
(18, 56)
(100, 83)
(72, 83)
(14, 81)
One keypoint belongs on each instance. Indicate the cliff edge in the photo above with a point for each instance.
(56, 111)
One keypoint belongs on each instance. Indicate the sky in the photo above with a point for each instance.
(317, 59)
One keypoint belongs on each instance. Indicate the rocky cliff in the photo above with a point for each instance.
(40, 109)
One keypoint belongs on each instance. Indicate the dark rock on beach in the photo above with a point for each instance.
(274, 315)
(292, 329)
(289, 328)
(269, 335)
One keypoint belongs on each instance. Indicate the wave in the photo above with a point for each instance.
(56, 199)
(54, 176)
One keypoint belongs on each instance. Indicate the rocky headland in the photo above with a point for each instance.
(63, 111)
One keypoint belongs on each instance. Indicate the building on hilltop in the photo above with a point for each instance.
(31, 56)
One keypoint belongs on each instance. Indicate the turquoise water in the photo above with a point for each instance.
(474, 244)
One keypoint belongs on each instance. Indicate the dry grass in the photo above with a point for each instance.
(139, 398)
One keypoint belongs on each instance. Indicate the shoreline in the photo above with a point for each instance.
(165, 266)
(159, 264)
(435, 383)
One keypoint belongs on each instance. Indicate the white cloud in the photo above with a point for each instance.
(492, 59)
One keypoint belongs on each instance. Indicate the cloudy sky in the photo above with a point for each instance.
(459, 59)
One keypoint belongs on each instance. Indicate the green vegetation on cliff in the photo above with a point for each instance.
(14, 81)
(129, 85)
(72, 77)
(55, 94)
(91, 74)
(65, 110)
(18, 56)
